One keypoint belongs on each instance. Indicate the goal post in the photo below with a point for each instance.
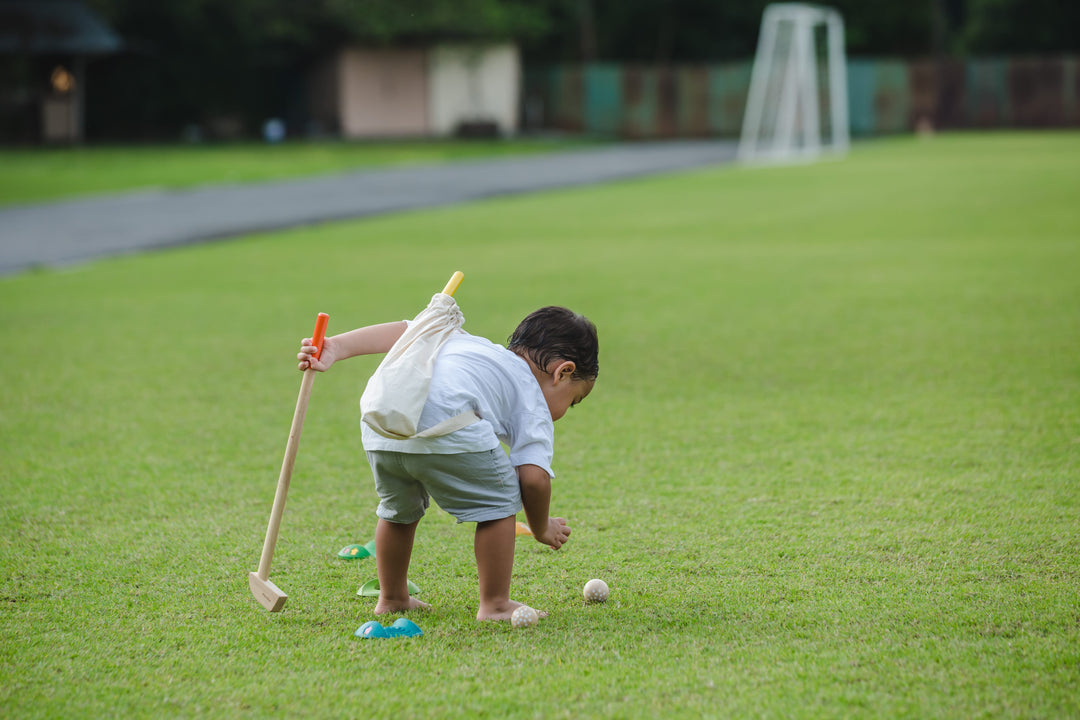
(797, 107)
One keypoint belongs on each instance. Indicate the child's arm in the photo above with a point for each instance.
(368, 340)
(536, 497)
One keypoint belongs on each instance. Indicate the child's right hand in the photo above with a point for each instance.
(307, 358)
(556, 534)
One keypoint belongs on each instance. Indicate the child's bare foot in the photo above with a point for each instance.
(394, 606)
(501, 611)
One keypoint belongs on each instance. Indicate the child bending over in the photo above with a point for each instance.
(549, 365)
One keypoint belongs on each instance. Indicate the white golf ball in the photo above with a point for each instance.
(524, 617)
(596, 590)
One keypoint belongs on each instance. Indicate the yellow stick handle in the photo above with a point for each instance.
(452, 286)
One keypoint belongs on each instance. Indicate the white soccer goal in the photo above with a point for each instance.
(797, 107)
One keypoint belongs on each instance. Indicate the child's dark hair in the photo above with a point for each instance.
(555, 333)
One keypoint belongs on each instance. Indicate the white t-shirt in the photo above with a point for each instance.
(473, 373)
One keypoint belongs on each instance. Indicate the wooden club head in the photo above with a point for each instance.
(267, 593)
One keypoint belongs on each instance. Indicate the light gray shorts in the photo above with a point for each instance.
(473, 487)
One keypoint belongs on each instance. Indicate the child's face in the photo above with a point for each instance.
(563, 390)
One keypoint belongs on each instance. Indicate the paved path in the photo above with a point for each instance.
(63, 233)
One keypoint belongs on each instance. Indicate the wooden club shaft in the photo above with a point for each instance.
(286, 474)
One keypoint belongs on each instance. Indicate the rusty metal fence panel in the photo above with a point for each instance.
(640, 88)
(988, 97)
(884, 96)
(879, 101)
(728, 87)
(602, 106)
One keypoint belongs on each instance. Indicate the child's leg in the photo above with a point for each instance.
(393, 550)
(494, 547)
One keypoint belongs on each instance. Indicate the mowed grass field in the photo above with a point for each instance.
(41, 175)
(831, 467)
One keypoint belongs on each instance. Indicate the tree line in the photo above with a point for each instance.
(247, 56)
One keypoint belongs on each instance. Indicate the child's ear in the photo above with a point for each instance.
(564, 370)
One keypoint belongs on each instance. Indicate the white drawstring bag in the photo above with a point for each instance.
(396, 393)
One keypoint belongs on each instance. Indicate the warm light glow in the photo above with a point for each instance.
(62, 80)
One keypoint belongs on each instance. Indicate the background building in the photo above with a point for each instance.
(434, 91)
(45, 48)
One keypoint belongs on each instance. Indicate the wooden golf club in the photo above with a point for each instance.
(267, 593)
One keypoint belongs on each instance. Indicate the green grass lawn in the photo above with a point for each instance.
(33, 175)
(831, 467)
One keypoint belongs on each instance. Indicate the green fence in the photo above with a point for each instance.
(884, 96)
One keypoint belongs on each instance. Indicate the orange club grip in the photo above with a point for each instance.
(319, 334)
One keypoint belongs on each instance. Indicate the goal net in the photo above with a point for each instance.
(797, 106)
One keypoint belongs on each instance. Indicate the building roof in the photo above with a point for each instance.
(42, 27)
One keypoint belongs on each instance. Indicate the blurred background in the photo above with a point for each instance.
(97, 71)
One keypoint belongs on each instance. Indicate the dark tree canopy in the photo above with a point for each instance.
(191, 58)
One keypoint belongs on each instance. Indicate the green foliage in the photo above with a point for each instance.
(707, 31)
(396, 21)
(196, 61)
(830, 468)
(200, 61)
(630, 30)
(1019, 27)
